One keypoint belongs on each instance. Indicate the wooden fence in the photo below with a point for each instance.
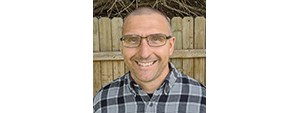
(189, 55)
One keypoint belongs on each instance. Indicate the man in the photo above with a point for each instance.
(153, 84)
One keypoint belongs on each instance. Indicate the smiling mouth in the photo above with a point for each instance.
(145, 64)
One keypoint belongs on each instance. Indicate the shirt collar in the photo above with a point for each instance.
(171, 78)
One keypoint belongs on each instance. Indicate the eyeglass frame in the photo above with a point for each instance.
(146, 37)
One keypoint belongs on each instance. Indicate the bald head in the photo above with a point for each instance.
(146, 11)
(149, 12)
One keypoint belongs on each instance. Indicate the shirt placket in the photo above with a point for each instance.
(151, 105)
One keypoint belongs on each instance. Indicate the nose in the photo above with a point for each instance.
(144, 49)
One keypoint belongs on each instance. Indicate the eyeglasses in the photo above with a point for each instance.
(153, 40)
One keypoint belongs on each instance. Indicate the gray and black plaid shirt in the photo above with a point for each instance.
(178, 94)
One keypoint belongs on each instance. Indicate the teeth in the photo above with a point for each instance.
(145, 64)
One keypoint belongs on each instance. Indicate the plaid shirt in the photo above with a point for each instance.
(178, 94)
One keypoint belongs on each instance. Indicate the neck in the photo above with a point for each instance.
(150, 87)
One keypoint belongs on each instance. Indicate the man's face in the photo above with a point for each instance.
(147, 64)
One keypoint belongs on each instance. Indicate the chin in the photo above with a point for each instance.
(146, 78)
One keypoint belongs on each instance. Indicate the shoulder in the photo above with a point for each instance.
(117, 83)
(108, 94)
(185, 79)
(112, 87)
(190, 86)
(182, 78)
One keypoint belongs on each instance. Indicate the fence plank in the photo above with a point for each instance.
(96, 65)
(95, 34)
(176, 23)
(203, 71)
(118, 66)
(116, 24)
(187, 40)
(199, 43)
(97, 77)
(105, 45)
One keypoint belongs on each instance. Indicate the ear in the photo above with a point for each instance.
(172, 45)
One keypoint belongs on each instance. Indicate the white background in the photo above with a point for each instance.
(252, 56)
